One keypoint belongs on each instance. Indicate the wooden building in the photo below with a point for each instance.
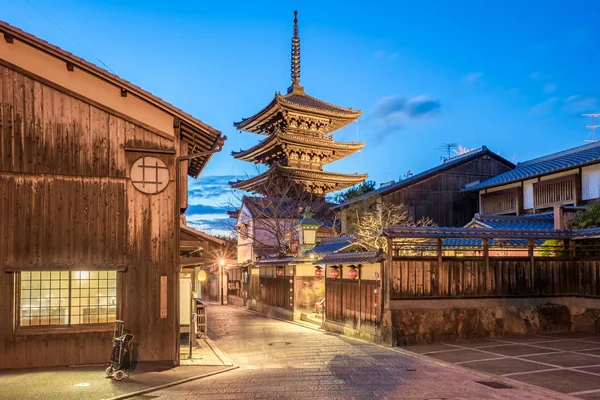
(434, 193)
(558, 182)
(89, 221)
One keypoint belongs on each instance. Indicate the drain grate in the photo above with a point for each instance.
(494, 385)
(274, 344)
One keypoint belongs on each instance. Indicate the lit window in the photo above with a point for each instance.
(67, 297)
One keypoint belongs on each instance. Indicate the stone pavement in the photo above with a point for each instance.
(282, 360)
(565, 362)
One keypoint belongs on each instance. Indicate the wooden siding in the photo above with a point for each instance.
(457, 277)
(277, 292)
(353, 303)
(66, 199)
(507, 201)
(560, 191)
(439, 197)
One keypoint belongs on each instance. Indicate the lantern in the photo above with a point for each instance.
(202, 275)
(280, 271)
(318, 272)
(334, 272)
(352, 272)
(307, 231)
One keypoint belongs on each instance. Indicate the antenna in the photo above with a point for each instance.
(591, 137)
(448, 147)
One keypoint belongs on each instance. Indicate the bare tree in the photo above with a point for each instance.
(265, 223)
(368, 230)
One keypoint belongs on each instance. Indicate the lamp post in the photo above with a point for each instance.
(217, 146)
(221, 265)
(307, 229)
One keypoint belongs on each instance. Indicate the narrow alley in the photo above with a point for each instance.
(283, 360)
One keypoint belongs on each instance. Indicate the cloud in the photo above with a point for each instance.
(381, 54)
(392, 56)
(393, 112)
(534, 75)
(210, 189)
(472, 78)
(549, 88)
(579, 104)
(545, 107)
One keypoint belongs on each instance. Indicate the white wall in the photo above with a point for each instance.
(528, 194)
(590, 182)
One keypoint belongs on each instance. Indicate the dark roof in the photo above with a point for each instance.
(563, 160)
(459, 243)
(479, 233)
(449, 163)
(304, 100)
(332, 245)
(356, 257)
(531, 222)
(275, 260)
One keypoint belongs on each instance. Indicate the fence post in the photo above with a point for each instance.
(438, 267)
(486, 262)
(532, 265)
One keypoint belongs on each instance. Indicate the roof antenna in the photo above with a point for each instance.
(591, 137)
(295, 58)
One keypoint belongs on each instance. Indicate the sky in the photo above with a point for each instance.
(512, 75)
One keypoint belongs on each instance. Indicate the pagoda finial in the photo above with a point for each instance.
(295, 57)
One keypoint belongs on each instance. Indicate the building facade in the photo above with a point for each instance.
(89, 219)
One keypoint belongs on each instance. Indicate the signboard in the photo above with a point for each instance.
(163, 296)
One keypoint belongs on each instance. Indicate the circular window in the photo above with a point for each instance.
(149, 175)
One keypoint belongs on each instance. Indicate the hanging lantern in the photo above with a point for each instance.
(334, 272)
(352, 272)
(280, 271)
(318, 272)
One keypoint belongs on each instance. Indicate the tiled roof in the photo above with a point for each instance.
(458, 243)
(304, 100)
(450, 163)
(567, 159)
(356, 257)
(479, 233)
(531, 222)
(332, 245)
(275, 260)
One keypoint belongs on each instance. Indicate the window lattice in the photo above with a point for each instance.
(67, 298)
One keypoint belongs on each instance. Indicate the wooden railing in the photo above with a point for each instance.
(500, 277)
(502, 201)
(559, 191)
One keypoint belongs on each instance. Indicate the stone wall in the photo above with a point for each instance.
(427, 321)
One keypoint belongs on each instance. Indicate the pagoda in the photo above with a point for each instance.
(299, 130)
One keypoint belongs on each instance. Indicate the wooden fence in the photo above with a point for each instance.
(277, 292)
(425, 277)
(352, 303)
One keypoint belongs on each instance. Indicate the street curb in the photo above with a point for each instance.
(168, 385)
(513, 383)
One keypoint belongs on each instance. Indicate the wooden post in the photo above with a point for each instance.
(359, 267)
(386, 277)
(438, 268)
(532, 265)
(486, 264)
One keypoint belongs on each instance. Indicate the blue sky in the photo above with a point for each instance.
(513, 75)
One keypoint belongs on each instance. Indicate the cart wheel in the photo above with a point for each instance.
(108, 372)
(120, 374)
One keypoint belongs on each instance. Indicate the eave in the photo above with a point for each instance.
(279, 105)
(270, 145)
(336, 181)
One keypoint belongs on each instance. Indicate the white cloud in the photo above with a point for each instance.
(545, 107)
(472, 78)
(549, 88)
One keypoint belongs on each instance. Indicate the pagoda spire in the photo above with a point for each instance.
(295, 58)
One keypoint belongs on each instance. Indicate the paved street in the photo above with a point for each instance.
(283, 360)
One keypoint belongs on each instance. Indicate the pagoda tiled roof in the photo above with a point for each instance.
(298, 101)
(342, 149)
(340, 181)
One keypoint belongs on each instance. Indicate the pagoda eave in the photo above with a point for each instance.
(320, 182)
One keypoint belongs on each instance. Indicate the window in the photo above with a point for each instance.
(67, 297)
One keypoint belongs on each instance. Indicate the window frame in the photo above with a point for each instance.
(21, 330)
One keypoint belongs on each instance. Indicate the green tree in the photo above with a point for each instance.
(590, 218)
(355, 191)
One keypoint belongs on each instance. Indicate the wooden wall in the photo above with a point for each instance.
(353, 303)
(459, 277)
(65, 199)
(438, 197)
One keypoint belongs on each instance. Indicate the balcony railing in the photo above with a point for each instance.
(505, 201)
(555, 192)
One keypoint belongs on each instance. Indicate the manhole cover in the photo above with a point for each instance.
(275, 344)
(495, 385)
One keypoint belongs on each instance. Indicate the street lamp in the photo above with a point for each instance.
(307, 229)
(221, 265)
